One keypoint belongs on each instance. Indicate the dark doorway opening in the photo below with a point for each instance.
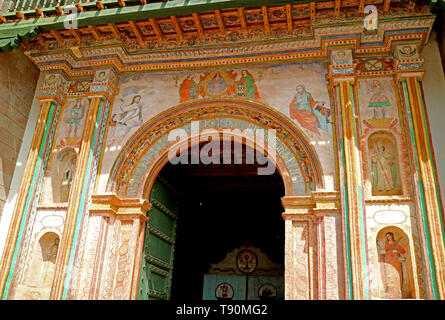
(223, 206)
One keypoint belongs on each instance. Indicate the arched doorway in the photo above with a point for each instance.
(136, 170)
(201, 213)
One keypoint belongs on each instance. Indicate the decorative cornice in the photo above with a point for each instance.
(120, 207)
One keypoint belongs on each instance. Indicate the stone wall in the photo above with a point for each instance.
(18, 79)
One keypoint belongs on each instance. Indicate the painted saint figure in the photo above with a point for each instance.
(129, 118)
(384, 170)
(188, 89)
(76, 114)
(392, 269)
(309, 113)
(378, 100)
(246, 86)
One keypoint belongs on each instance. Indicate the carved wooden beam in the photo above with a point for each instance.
(21, 15)
(361, 6)
(41, 41)
(94, 32)
(265, 19)
(289, 17)
(198, 24)
(312, 10)
(76, 35)
(114, 30)
(242, 20)
(178, 29)
(219, 18)
(137, 32)
(157, 30)
(337, 8)
(386, 6)
(57, 36)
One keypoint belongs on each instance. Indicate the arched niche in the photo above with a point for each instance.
(62, 174)
(40, 274)
(394, 252)
(385, 164)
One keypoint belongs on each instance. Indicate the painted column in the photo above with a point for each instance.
(300, 270)
(51, 98)
(328, 213)
(93, 140)
(409, 73)
(343, 90)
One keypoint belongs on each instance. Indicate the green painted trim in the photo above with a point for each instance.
(345, 209)
(83, 196)
(29, 198)
(360, 194)
(430, 149)
(426, 231)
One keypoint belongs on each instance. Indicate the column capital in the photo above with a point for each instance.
(341, 67)
(407, 62)
(52, 88)
(104, 84)
(111, 204)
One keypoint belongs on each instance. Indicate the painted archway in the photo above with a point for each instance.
(145, 152)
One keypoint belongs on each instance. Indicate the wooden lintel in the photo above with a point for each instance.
(361, 6)
(41, 41)
(76, 35)
(177, 27)
(121, 3)
(386, 4)
(242, 20)
(337, 8)
(157, 30)
(114, 30)
(94, 32)
(220, 21)
(289, 17)
(137, 32)
(57, 36)
(312, 10)
(265, 19)
(198, 24)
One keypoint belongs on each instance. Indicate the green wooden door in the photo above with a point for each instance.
(157, 261)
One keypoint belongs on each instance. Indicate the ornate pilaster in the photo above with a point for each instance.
(343, 86)
(91, 149)
(51, 98)
(312, 253)
(409, 73)
(115, 256)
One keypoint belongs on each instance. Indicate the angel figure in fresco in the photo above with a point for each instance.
(383, 169)
(128, 118)
(188, 89)
(391, 258)
(246, 86)
(311, 114)
(75, 115)
(378, 100)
